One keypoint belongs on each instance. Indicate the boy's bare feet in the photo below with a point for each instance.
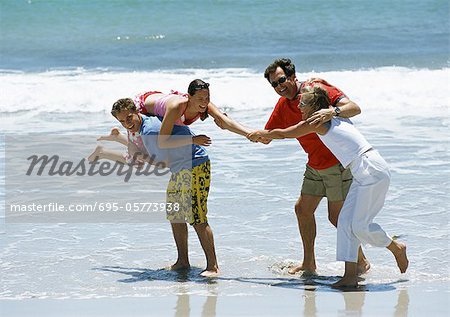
(308, 269)
(210, 273)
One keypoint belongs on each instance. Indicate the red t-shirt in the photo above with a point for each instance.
(286, 114)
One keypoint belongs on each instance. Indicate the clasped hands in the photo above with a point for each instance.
(255, 136)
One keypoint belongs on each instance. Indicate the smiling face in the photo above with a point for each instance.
(284, 86)
(129, 119)
(199, 101)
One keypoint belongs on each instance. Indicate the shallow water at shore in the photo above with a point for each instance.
(254, 187)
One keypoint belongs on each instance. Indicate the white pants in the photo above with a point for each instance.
(364, 201)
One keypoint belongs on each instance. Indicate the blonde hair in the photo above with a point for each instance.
(315, 97)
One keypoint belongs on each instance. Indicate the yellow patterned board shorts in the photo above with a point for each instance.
(187, 194)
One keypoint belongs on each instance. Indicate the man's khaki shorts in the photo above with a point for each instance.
(333, 182)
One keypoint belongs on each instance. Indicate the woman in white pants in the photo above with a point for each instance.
(367, 193)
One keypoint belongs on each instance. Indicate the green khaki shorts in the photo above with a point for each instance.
(333, 182)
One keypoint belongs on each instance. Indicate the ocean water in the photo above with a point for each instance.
(147, 35)
(64, 63)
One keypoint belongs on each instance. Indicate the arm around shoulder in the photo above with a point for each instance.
(348, 108)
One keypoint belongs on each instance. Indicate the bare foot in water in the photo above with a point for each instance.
(398, 249)
(210, 273)
(346, 282)
(363, 267)
(180, 266)
(115, 132)
(96, 155)
(308, 270)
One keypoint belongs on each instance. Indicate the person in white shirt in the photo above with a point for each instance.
(367, 193)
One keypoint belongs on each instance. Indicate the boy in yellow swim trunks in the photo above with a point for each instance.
(188, 188)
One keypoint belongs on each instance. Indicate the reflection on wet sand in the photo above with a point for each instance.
(183, 306)
(310, 288)
(354, 303)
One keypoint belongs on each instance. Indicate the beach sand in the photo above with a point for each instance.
(312, 300)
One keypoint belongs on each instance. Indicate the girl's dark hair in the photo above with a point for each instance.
(315, 97)
(284, 63)
(196, 85)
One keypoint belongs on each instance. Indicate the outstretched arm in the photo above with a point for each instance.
(348, 109)
(166, 140)
(295, 131)
(225, 122)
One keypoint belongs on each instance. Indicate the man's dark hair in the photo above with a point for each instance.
(284, 63)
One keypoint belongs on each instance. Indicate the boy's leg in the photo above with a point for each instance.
(177, 195)
(180, 234)
(205, 235)
(201, 178)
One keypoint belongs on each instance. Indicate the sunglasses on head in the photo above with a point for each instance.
(303, 104)
(202, 86)
(281, 80)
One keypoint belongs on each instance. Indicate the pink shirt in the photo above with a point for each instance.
(159, 108)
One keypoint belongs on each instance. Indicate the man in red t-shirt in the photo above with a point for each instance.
(324, 175)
